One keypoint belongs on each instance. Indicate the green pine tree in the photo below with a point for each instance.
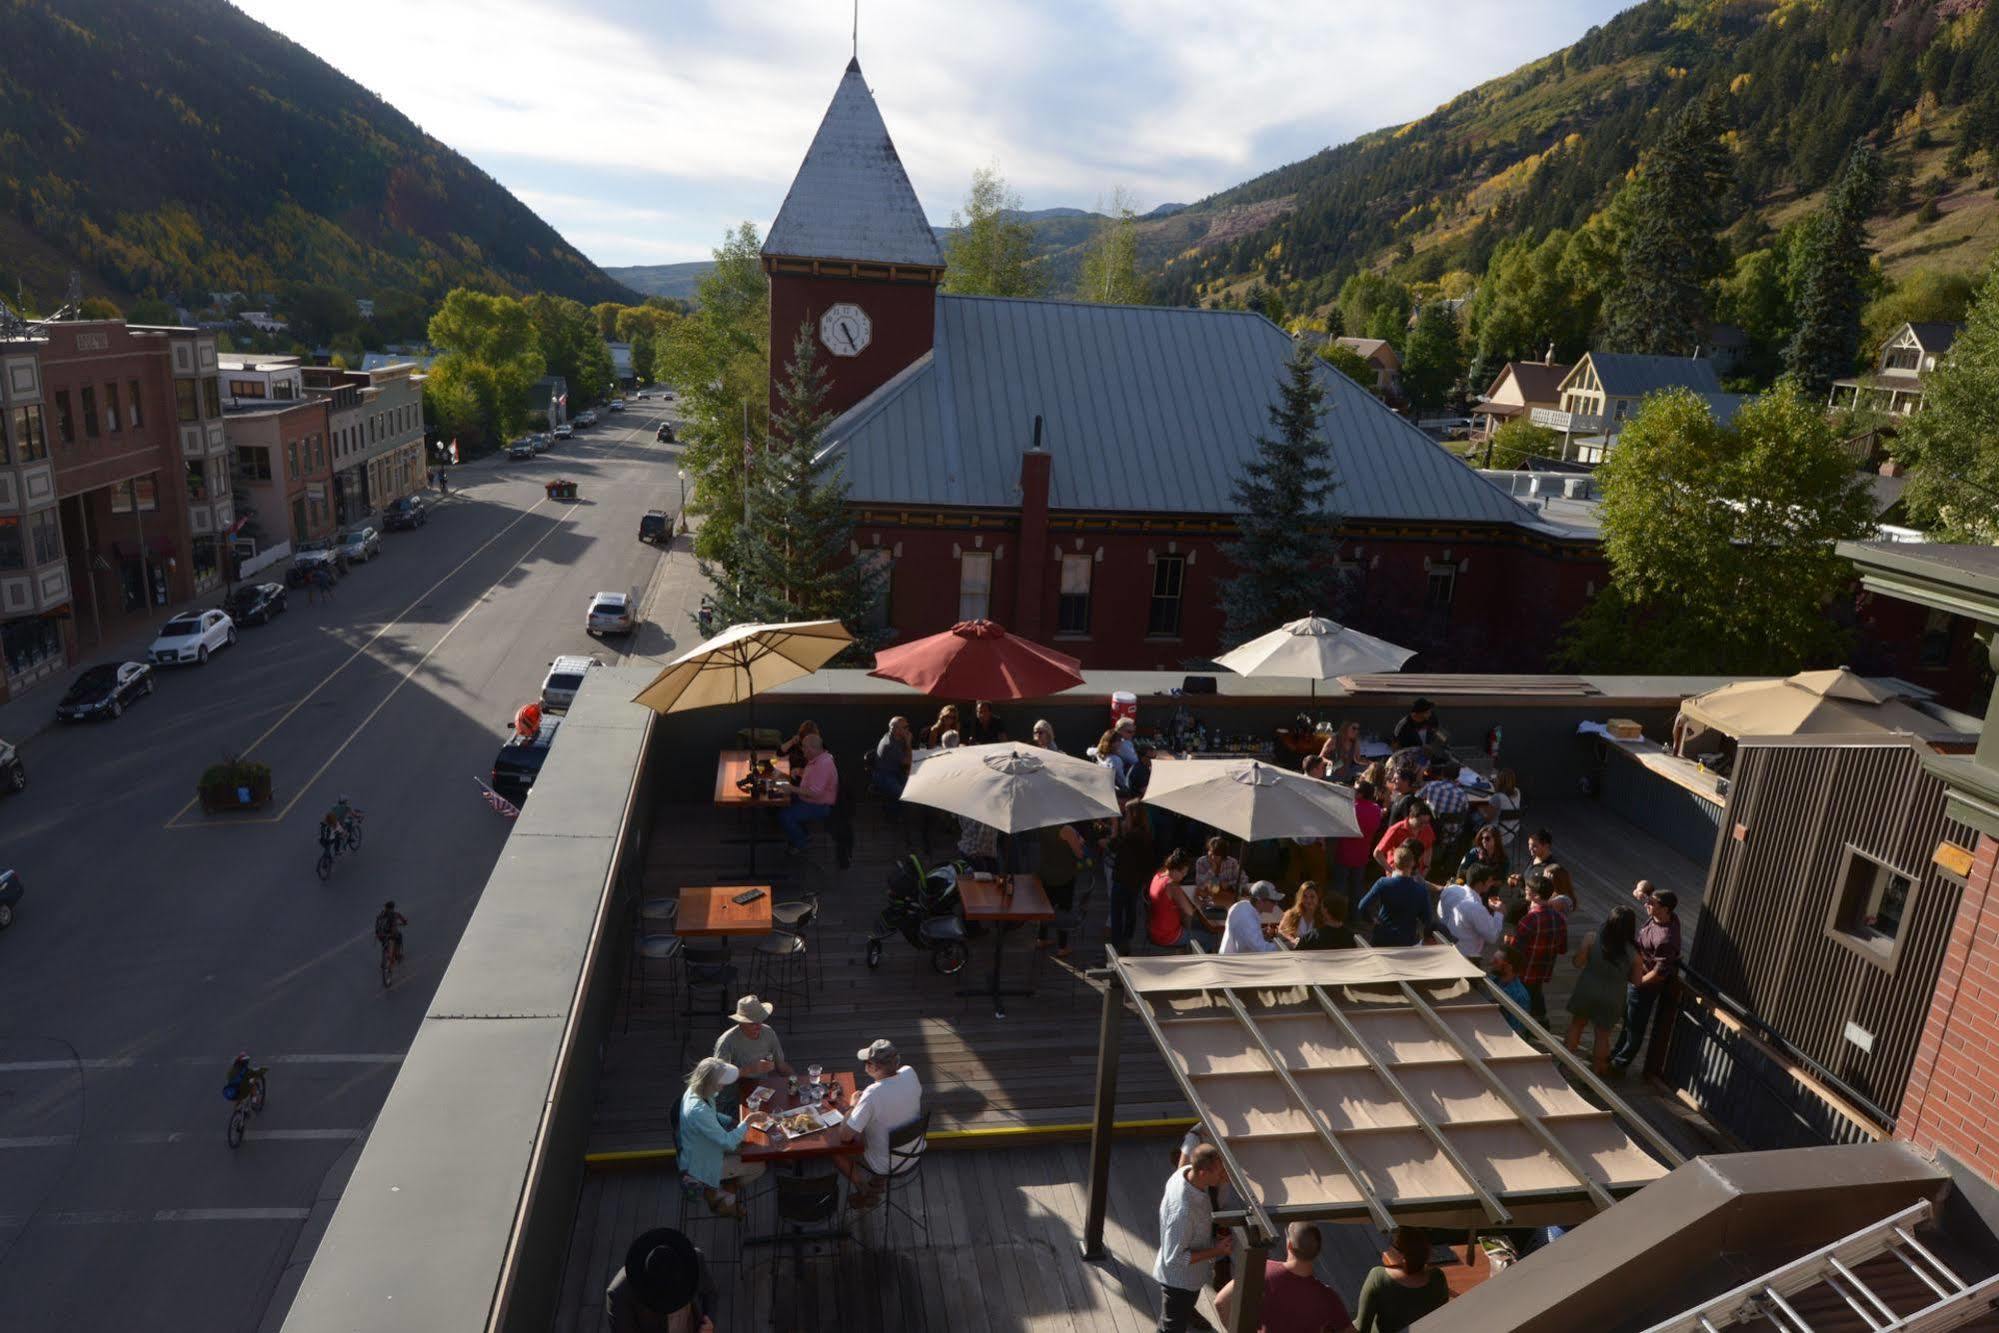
(792, 560)
(1284, 514)
(1434, 360)
(1671, 251)
(1832, 264)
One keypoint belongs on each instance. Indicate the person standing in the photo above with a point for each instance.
(1414, 827)
(1187, 1244)
(1133, 860)
(1608, 961)
(1418, 729)
(1061, 851)
(1403, 1287)
(1351, 856)
(1294, 1300)
(1473, 911)
(1541, 936)
(1658, 962)
(1399, 906)
(1541, 853)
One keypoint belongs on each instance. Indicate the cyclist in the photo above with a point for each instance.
(341, 816)
(243, 1078)
(329, 833)
(389, 925)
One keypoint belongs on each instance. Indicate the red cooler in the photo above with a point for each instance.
(1124, 704)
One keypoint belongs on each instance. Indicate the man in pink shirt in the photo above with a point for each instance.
(818, 788)
(1294, 1300)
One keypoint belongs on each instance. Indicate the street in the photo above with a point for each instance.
(155, 941)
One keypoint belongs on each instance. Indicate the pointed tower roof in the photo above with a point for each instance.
(851, 198)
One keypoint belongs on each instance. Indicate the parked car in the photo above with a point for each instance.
(104, 690)
(565, 677)
(665, 432)
(587, 418)
(521, 450)
(11, 892)
(255, 603)
(406, 514)
(617, 404)
(358, 544)
(191, 637)
(655, 527)
(613, 613)
(666, 395)
(13, 773)
(519, 761)
(539, 441)
(310, 557)
(564, 431)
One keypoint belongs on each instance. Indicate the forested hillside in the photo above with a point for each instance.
(177, 146)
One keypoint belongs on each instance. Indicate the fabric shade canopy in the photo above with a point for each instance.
(1011, 787)
(1811, 703)
(742, 662)
(1251, 799)
(1316, 649)
(978, 659)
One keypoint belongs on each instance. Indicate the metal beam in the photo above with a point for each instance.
(1247, 1316)
(1108, 1038)
(1375, 1208)
(1496, 1212)
(1529, 1118)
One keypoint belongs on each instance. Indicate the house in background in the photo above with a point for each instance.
(1605, 389)
(1386, 362)
(1895, 385)
(1518, 389)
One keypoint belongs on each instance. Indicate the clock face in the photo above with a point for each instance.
(846, 329)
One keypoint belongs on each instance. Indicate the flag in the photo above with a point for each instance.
(454, 448)
(499, 803)
(564, 400)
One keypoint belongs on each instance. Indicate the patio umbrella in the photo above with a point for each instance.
(1011, 787)
(1316, 649)
(978, 659)
(1251, 799)
(742, 662)
(1820, 703)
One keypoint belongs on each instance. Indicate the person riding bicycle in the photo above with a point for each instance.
(389, 925)
(342, 817)
(243, 1078)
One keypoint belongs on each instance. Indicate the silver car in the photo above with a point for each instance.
(358, 544)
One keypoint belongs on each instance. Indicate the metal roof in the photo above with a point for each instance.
(851, 198)
(1935, 336)
(1624, 375)
(1146, 409)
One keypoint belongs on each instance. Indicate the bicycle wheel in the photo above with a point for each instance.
(325, 865)
(388, 967)
(257, 1096)
(354, 836)
(239, 1120)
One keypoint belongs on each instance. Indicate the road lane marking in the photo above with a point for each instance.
(39, 1141)
(133, 1062)
(126, 1216)
(361, 651)
(40, 1066)
(232, 1214)
(152, 1138)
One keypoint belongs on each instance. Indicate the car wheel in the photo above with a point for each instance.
(204, 655)
(117, 709)
(149, 684)
(17, 776)
(232, 636)
(6, 916)
(284, 604)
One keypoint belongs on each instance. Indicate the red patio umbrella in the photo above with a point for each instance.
(978, 659)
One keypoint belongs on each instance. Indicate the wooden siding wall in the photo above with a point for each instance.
(1762, 938)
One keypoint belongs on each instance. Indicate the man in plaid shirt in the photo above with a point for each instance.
(1541, 937)
(1445, 796)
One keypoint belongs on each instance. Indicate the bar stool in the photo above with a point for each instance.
(796, 917)
(782, 965)
(647, 950)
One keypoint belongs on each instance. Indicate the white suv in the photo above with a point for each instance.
(565, 677)
(614, 612)
(191, 637)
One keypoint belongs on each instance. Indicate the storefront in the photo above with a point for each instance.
(34, 648)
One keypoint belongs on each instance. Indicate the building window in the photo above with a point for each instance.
(1443, 587)
(65, 423)
(184, 400)
(29, 642)
(253, 462)
(45, 536)
(1169, 580)
(140, 491)
(138, 417)
(31, 441)
(878, 560)
(197, 482)
(13, 542)
(111, 406)
(291, 458)
(975, 585)
(89, 411)
(1072, 614)
(211, 396)
(1872, 907)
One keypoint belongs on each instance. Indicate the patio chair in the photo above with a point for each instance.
(707, 968)
(781, 967)
(646, 951)
(906, 1145)
(806, 1202)
(798, 916)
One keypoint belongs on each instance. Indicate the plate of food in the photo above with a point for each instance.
(797, 1124)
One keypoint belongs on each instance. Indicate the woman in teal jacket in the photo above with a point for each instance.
(708, 1145)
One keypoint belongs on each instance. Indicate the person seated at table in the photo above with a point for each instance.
(986, 727)
(1400, 907)
(708, 1145)
(1306, 912)
(1044, 734)
(1486, 850)
(1419, 728)
(1341, 752)
(978, 844)
(1242, 932)
(950, 740)
(1334, 932)
(1126, 732)
(1168, 918)
(793, 748)
(947, 720)
(1108, 755)
(1415, 827)
(889, 773)
(751, 1043)
(1216, 869)
(1474, 911)
(1315, 766)
(890, 1101)
(818, 788)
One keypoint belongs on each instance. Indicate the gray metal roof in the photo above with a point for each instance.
(1624, 375)
(1935, 336)
(1145, 408)
(851, 198)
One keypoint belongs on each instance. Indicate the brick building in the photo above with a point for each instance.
(1068, 468)
(375, 426)
(114, 486)
(282, 462)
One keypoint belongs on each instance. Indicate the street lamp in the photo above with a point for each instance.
(683, 499)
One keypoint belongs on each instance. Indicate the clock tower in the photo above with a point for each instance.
(851, 255)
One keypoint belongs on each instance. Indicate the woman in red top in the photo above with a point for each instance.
(1417, 824)
(1167, 918)
(1350, 855)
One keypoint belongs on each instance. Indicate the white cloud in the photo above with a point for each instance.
(642, 130)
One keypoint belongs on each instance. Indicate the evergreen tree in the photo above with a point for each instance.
(1660, 303)
(792, 560)
(1284, 514)
(1434, 360)
(1831, 262)
(991, 250)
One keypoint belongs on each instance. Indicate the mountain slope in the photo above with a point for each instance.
(177, 146)
(676, 280)
(1546, 146)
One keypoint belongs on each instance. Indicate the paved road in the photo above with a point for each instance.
(157, 942)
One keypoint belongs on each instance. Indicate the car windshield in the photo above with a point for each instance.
(180, 628)
(564, 681)
(97, 678)
(608, 609)
(316, 544)
(349, 538)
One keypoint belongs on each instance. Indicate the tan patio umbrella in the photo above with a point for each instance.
(1012, 787)
(1811, 703)
(1252, 800)
(742, 662)
(1315, 649)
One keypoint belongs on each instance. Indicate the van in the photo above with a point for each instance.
(565, 677)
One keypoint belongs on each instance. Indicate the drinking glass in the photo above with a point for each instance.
(813, 1072)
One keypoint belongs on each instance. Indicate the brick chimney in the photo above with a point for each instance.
(1030, 582)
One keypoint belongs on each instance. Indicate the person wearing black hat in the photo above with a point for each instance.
(664, 1287)
(1419, 728)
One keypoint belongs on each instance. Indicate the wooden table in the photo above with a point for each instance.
(1217, 916)
(772, 1146)
(987, 902)
(715, 912)
(731, 767)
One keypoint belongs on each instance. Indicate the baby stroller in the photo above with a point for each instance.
(923, 909)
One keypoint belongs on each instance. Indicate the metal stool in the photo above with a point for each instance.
(647, 949)
(782, 965)
(796, 917)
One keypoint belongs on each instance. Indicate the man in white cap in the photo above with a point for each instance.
(892, 1100)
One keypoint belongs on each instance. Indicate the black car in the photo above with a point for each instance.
(255, 603)
(13, 773)
(655, 527)
(405, 514)
(103, 691)
(520, 759)
(11, 891)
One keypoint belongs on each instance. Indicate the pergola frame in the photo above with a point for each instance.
(1260, 1223)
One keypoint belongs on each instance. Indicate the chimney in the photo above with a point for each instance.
(1031, 577)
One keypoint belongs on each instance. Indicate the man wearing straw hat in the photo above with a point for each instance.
(751, 1044)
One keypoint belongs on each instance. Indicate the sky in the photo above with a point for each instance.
(643, 130)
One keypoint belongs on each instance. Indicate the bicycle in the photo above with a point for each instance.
(388, 962)
(352, 828)
(246, 1107)
(329, 851)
